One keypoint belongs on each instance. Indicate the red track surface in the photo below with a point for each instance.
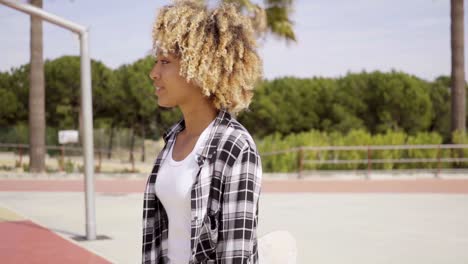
(269, 186)
(26, 242)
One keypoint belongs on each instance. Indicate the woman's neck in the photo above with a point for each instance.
(198, 117)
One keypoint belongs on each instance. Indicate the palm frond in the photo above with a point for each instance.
(279, 23)
(275, 17)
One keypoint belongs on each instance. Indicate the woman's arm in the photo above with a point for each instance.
(240, 210)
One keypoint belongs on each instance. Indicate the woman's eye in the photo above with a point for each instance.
(162, 61)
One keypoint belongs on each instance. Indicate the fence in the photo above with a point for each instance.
(302, 160)
(116, 150)
(369, 160)
(69, 157)
(105, 138)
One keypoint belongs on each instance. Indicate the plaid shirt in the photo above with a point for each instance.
(224, 199)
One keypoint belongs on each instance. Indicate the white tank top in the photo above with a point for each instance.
(173, 188)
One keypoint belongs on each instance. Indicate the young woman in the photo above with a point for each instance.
(201, 199)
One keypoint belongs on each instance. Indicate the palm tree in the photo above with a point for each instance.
(274, 17)
(458, 66)
(36, 96)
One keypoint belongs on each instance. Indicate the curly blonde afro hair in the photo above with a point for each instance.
(217, 50)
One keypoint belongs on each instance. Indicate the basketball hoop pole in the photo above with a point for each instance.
(86, 103)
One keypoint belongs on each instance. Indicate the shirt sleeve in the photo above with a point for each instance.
(238, 237)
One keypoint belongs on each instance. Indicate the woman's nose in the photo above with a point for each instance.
(154, 75)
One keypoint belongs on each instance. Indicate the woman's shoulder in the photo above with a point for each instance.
(234, 133)
(236, 146)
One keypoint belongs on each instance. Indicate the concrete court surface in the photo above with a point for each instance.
(330, 228)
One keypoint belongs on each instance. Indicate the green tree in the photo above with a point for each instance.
(8, 107)
(19, 85)
(273, 17)
(8, 100)
(291, 105)
(387, 101)
(440, 98)
(138, 99)
(63, 92)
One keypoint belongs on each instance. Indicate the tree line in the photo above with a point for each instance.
(273, 17)
(375, 102)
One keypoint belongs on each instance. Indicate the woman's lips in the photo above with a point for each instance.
(159, 90)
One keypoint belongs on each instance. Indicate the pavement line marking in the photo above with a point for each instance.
(7, 215)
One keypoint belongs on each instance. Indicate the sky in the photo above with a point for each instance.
(334, 37)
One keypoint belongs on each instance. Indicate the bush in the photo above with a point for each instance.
(288, 161)
(459, 138)
(68, 166)
(26, 167)
(389, 138)
(419, 139)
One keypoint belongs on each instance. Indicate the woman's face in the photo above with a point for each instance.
(171, 89)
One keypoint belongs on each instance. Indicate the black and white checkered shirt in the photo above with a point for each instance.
(224, 217)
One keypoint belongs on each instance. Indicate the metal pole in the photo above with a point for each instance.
(34, 11)
(20, 156)
(62, 164)
(438, 162)
(86, 103)
(86, 108)
(369, 162)
(300, 158)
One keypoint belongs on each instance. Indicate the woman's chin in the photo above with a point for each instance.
(164, 104)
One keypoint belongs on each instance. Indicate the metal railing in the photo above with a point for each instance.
(301, 151)
(369, 160)
(22, 149)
